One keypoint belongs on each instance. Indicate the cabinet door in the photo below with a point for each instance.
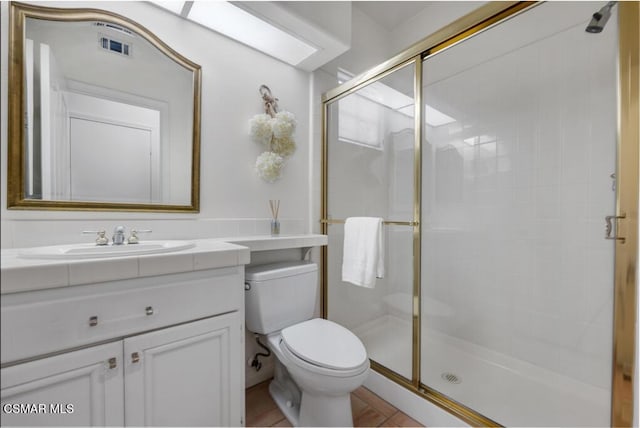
(79, 388)
(187, 375)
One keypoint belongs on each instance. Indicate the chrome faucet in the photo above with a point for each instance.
(118, 235)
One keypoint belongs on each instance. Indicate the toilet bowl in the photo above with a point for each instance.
(318, 362)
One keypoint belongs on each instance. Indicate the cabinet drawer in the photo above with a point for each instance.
(41, 322)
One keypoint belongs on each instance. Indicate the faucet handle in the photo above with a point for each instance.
(102, 236)
(133, 239)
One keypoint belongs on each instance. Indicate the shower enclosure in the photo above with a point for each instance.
(495, 151)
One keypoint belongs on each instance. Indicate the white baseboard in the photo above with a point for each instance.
(423, 411)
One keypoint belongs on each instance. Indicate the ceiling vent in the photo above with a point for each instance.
(116, 46)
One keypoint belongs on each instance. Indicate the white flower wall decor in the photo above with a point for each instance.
(274, 130)
(269, 166)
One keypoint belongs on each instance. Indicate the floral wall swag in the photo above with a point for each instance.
(274, 130)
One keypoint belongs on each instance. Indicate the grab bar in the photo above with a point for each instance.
(394, 223)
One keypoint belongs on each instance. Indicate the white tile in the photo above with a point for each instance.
(263, 227)
(547, 200)
(228, 227)
(294, 227)
(207, 228)
(214, 260)
(164, 264)
(34, 277)
(247, 227)
(87, 272)
(166, 229)
(6, 234)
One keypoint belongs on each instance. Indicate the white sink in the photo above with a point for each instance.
(90, 251)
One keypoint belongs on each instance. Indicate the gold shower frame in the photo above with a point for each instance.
(627, 196)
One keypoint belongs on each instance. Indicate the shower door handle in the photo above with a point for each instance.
(609, 227)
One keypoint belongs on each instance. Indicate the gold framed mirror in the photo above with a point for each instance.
(103, 115)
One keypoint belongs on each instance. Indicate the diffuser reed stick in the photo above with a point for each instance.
(275, 207)
(274, 204)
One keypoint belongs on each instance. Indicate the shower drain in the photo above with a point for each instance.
(451, 378)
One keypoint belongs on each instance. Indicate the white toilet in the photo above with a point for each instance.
(318, 362)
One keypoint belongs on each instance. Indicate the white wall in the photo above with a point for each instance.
(234, 201)
(435, 16)
(370, 45)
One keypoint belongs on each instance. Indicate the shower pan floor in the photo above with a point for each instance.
(510, 391)
(388, 342)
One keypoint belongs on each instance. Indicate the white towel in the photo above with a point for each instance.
(363, 253)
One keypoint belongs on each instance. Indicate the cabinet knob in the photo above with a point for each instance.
(149, 310)
(93, 321)
(135, 357)
(112, 363)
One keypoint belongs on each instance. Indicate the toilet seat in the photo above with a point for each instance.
(324, 347)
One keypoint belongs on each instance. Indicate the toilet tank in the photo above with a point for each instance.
(279, 295)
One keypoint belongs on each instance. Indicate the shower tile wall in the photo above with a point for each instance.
(515, 192)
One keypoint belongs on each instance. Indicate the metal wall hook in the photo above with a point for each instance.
(270, 102)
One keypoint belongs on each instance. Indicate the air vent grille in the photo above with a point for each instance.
(115, 46)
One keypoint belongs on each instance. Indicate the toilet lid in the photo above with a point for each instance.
(325, 343)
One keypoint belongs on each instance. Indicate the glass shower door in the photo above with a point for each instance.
(370, 173)
(517, 278)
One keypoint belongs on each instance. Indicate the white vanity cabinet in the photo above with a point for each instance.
(154, 351)
(186, 375)
(78, 388)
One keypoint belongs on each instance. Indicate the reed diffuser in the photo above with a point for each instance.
(274, 204)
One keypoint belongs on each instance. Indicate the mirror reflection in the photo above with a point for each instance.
(108, 116)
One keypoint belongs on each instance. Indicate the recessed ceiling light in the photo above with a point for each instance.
(173, 6)
(396, 100)
(435, 117)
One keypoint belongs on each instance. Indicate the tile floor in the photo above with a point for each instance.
(368, 409)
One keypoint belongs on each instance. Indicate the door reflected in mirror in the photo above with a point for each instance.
(110, 114)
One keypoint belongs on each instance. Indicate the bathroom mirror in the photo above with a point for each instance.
(102, 115)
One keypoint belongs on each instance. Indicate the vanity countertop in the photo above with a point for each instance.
(268, 242)
(18, 274)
